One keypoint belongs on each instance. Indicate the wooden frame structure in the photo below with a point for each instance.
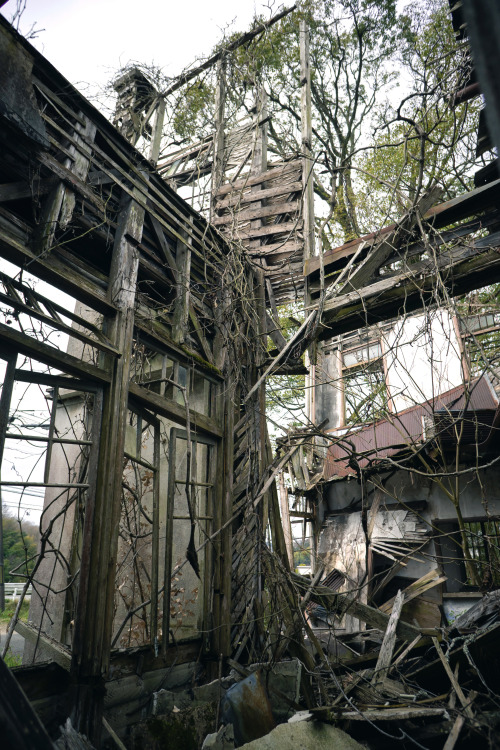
(154, 356)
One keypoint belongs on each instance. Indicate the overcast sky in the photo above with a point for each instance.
(88, 40)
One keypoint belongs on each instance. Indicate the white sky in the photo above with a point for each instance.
(88, 40)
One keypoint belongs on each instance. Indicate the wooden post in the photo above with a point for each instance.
(218, 160)
(95, 606)
(306, 133)
(154, 148)
(7, 387)
(182, 300)
(285, 519)
(308, 197)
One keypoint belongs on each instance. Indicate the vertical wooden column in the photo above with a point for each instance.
(285, 519)
(306, 136)
(95, 608)
(155, 145)
(225, 411)
(219, 139)
(308, 195)
(7, 388)
(182, 300)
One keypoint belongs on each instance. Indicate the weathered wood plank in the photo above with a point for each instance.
(462, 269)
(59, 653)
(277, 249)
(457, 209)
(379, 253)
(257, 213)
(50, 356)
(240, 198)
(387, 648)
(172, 410)
(54, 271)
(426, 582)
(71, 179)
(273, 173)
(286, 227)
(21, 727)
(389, 714)
(456, 687)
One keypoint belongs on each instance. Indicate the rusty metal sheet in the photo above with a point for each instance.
(246, 706)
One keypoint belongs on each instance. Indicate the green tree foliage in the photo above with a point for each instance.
(424, 139)
(20, 542)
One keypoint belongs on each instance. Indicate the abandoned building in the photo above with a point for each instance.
(165, 609)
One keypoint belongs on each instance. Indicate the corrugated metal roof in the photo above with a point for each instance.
(474, 407)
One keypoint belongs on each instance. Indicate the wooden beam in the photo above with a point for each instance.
(13, 191)
(73, 181)
(58, 653)
(21, 727)
(457, 209)
(346, 602)
(240, 198)
(238, 42)
(462, 269)
(172, 410)
(95, 604)
(257, 213)
(52, 269)
(272, 173)
(379, 253)
(30, 347)
(456, 687)
(426, 582)
(387, 648)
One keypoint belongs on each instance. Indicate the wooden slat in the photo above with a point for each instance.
(271, 174)
(241, 198)
(278, 248)
(428, 581)
(52, 357)
(287, 227)
(258, 213)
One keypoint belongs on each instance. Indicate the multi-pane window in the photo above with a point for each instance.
(473, 562)
(365, 388)
(483, 542)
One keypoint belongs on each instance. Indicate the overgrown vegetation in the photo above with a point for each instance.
(20, 540)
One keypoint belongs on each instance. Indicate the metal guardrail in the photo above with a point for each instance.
(14, 590)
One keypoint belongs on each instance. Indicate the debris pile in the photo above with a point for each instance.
(410, 687)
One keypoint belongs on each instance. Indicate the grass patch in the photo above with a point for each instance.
(11, 660)
(10, 608)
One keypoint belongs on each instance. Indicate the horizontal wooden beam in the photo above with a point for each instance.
(258, 213)
(170, 409)
(58, 653)
(286, 227)
(462, 269)
(240, 198)
(50, 356)
(272, 174)
(460, 208)
(51, 269)
(13, 191)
